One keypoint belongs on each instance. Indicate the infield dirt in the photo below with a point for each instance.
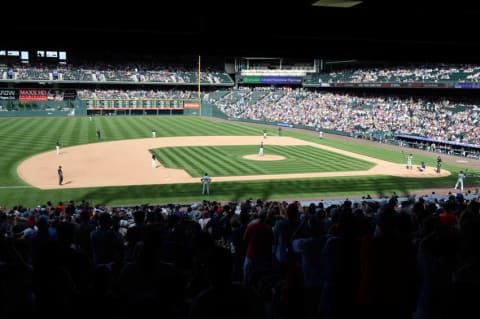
(128, 162)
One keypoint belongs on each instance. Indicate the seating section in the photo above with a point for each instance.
(158, 73)
(399, 74)
(187, 260)
(439, 118)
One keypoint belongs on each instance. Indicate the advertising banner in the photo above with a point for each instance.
(33, 95)
(8, 94)
(191, 105)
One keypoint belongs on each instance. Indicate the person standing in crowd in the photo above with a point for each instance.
(99, 135)
(60, 175)
(459, 182)
(154, 132)
(260, 151)
(154, 161)
(409, 161)
(205, 184)
(57, 146)
(439, 164)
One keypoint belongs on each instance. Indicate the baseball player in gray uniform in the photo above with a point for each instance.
(460, 179)
(205, 184)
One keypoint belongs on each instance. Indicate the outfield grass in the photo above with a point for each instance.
(24, 137)
(229, 161)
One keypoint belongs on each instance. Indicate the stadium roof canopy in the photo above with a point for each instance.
(403, 30)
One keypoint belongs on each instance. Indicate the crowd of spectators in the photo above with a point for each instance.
(375, 258)
(130, 72)
(438, 118)
(402, 73)
(140, 71)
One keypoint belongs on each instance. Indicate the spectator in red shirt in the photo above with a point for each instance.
(258, 239)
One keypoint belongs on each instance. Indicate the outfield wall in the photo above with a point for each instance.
(19, 108)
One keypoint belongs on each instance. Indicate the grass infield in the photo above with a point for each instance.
(229, 161)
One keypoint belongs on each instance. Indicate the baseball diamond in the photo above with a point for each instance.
(89, 167)
(117, 169)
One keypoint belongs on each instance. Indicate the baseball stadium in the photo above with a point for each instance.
(245, 187)
(208, 125)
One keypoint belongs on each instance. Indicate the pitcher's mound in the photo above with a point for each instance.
(256, 157)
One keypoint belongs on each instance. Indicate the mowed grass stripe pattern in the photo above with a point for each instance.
(24, 137)
(229, 161)
(188, 193)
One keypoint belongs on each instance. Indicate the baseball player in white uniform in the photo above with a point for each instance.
(409, 161)
(154, 161)
(260, 150)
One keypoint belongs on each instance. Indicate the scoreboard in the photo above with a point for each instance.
(135, 104)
